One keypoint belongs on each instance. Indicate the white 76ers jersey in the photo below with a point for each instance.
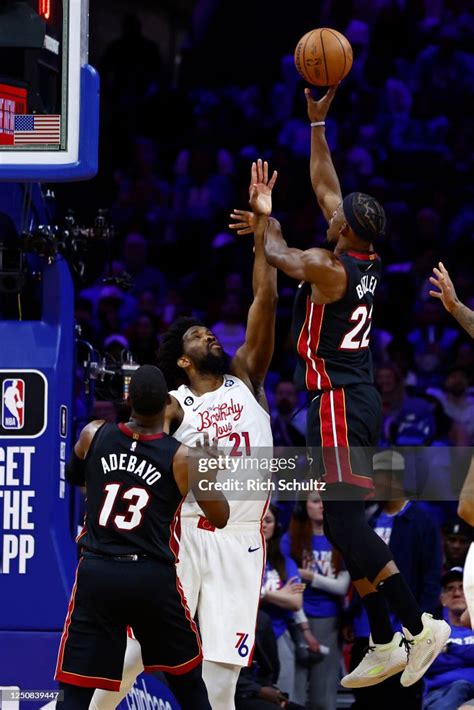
(232, 415)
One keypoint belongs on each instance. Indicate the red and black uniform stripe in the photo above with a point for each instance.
(335, 365)
(332, 340)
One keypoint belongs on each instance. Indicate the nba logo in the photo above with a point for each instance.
(13, 404)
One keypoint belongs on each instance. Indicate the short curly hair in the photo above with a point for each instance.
(171, 349)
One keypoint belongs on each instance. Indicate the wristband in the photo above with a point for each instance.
(317, 123)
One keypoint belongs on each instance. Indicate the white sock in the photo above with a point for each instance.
(468, 582)
(221, 680)
(132, 667)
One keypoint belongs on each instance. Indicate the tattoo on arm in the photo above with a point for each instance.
(465, 317)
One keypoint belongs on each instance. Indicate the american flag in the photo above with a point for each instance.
(34, 128)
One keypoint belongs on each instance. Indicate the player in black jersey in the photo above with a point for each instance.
(136, 477)
(332, 319)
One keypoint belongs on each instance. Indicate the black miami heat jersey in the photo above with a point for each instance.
(132, 496)
(332, 340)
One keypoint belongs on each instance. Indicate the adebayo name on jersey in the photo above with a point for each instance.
(132, 464)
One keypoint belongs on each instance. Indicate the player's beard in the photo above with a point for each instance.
(213, 363)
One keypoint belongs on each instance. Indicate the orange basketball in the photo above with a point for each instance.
(323, 57)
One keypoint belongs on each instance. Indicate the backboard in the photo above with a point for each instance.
(49, 94)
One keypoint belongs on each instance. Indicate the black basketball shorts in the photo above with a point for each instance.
(108, 597)
(344, 425)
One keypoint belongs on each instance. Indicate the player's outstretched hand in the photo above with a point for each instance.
(244, 221)
(318, 110)
(260, 190)
(446, 294)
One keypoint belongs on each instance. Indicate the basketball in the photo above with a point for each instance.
(323, 57)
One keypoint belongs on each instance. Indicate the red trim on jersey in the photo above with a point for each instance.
(82, 533)
(363, 255)
(335, 441)
(177, 670)
(316, 377)
(77, 678)
(139, 437)
(175, 536)
(88, 681)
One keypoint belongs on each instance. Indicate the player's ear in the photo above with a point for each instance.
(183, 362)
(168, 399)
(344, 228)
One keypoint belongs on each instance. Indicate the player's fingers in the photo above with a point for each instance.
(247, 230)
(331, 92)
(253, 173)
(438, 274)
(239, 225)
(259, 170)
(443, 268)
(434, 281)
(308, 95)
(435, 294)
(273, 179)
(265, 172)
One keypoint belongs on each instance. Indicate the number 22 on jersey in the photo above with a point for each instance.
(358, 337)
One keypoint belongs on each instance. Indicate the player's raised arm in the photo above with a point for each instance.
(192, 473)
(75, 466)
(173, 416)
(448, 297)
(318, 267)
(252, 359)
(323, 174)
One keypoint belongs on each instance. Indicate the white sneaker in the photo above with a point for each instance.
(380, 662)
(424, 648)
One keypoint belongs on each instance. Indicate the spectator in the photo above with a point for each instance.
(143, 339)
(282, 594)
(458, 405)
(136, 260)
(407, 420)
(320, 568)
(450, 680)
(456, 541)
(288, 422)
(256, 686)
(230, 330)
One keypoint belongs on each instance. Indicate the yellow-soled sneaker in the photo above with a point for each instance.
(424, 648)
(380, 662)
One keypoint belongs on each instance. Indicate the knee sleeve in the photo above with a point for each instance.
(221, 681)
(364, 552)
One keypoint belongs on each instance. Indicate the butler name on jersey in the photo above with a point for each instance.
(232, 415)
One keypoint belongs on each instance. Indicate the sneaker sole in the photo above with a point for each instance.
(409, 678)
(375, 680)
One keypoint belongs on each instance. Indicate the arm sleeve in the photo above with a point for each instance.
(338, 586)
(75, 470)
(300, 617)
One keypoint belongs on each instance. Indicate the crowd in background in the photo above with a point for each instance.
(175, 161)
